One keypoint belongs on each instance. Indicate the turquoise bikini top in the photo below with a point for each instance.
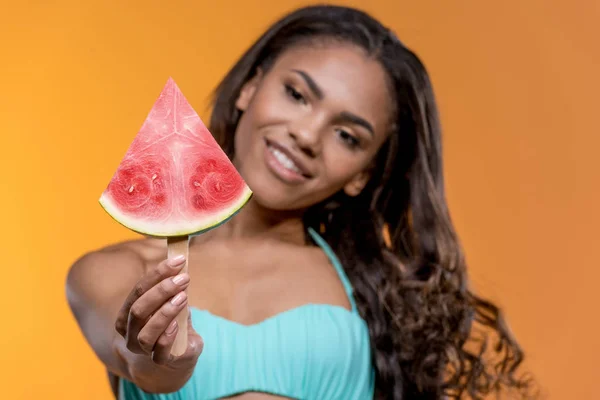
(314, 351)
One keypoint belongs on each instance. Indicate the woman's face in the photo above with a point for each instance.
(312, 125)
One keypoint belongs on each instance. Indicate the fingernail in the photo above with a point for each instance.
(176, 261)
(171, 328)
(181, 279)
(179, 299)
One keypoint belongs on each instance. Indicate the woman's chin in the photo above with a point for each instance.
(271, 200)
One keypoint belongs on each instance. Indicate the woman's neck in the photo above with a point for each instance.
(254, 220)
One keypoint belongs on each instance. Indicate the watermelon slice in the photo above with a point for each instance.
(175, 180)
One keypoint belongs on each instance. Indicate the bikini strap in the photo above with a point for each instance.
(336, 264)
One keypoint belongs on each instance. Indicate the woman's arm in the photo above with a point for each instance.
(125, 313)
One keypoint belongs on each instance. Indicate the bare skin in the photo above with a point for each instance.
(121, 295)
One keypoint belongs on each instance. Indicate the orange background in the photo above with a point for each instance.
(517, 86)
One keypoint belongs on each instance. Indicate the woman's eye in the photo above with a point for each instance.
(348, 138)
(294, 94)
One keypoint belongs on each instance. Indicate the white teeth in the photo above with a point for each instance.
(284, 160)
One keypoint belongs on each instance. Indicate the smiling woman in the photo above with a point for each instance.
(332, 123)
(317, 136)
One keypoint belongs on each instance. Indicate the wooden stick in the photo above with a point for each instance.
(179, 245)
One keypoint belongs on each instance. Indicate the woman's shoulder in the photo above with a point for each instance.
(114, 267)
(147, 250)
(139, 252)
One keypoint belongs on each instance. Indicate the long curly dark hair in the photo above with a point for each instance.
(429, 333)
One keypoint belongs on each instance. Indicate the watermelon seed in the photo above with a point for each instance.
(131, 189)
(154, 176)
(196, 183)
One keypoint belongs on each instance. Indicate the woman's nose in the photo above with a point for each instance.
(307, 134)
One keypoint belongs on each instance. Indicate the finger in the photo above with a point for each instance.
(195, 346)
(164, 344)
(195, 343)
(156, 296)
(162, 350)
(163, 270)
(147, 305)
(159, 322)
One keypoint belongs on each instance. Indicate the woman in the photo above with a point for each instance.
(343, 277)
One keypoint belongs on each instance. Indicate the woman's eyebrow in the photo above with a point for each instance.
(312, 85)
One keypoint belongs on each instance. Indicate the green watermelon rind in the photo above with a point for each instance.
(142, 227)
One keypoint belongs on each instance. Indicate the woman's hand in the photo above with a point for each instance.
(147, 318)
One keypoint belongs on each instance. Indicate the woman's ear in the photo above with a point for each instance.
(360, 180)
(358, 183)
(248, 91)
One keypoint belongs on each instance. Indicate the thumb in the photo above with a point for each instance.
(195, 341)
(190, 327)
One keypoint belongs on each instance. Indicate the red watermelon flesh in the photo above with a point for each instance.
(175, 179)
